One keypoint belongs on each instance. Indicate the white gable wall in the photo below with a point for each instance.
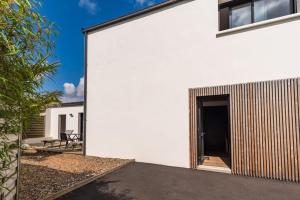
(51, 129)
(139, 74)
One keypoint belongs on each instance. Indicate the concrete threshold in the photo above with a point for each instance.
(214, 169)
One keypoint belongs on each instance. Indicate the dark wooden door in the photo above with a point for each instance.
(201, 132)
(80, 125)
(61, 124)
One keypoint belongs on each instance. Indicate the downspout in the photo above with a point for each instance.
(85, 93)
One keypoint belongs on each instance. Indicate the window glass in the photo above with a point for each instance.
(240, 15)
(235, 13)
(269, 9)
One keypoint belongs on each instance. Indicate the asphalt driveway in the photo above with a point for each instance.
(141, 181)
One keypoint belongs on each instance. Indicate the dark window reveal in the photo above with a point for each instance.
(237, 13)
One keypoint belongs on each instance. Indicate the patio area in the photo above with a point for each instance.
(139, 181)
(69, 142)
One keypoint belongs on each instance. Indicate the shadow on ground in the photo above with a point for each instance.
(101, 190)
(142, 181)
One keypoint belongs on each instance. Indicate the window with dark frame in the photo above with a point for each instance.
(237, 13)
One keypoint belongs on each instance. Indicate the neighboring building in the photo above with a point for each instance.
(197, 83)
(67, 116)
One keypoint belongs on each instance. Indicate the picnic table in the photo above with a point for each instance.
(50, 141)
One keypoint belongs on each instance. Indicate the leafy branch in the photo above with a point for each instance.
(26, 52)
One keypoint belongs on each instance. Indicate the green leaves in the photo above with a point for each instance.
(26, 47)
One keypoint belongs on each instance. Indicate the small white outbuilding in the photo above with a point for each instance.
(67, 116)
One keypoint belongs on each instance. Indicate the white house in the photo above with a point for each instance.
(67, 116)
(55, 120)
(188, 81)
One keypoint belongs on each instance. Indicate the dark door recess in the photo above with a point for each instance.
(61, 124)
(213, 131)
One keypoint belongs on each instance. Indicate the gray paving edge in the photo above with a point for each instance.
(85, 182)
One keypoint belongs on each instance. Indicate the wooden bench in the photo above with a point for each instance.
(50, 141)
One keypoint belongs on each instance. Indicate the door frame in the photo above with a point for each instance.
(81, 124)
(60, 123)
(199, 118)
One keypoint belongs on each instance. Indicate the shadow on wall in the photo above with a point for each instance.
(100, 190)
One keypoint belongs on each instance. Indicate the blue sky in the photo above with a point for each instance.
(70, 16)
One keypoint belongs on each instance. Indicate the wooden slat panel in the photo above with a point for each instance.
(191, 129)
(264, 125)
(294, 131)
(194, 139)
(273, 130)
(239, 130)
(290, 130)
(297, 110)
(258, 129)
(297, 124)
(285, 132)
(233, 127)
(277, 130)
(264, 133)
(251, 115)
(246, 129)
(268, 133)
(243, 131)
(36, 129)
(281, 130)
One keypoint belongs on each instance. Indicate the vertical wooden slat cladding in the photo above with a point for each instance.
(233, 127)
(193, 134)
(297, 144)
(264, 126)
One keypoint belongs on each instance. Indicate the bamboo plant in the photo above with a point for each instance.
(26, 62)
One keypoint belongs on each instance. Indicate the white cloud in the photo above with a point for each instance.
(89, 5)
(72, 93)
(145, 2)
(80, 87)
(69, 89)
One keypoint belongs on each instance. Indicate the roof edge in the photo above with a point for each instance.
(131, 15)
(69, 104)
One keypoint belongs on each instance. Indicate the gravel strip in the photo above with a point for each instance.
(44, 174)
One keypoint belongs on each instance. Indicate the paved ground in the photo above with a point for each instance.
(153, 182)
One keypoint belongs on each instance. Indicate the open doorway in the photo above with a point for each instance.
(80, 125)
(61, 124)
(214, 131)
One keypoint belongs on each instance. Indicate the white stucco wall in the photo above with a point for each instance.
(51, 125)
(139, 74)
